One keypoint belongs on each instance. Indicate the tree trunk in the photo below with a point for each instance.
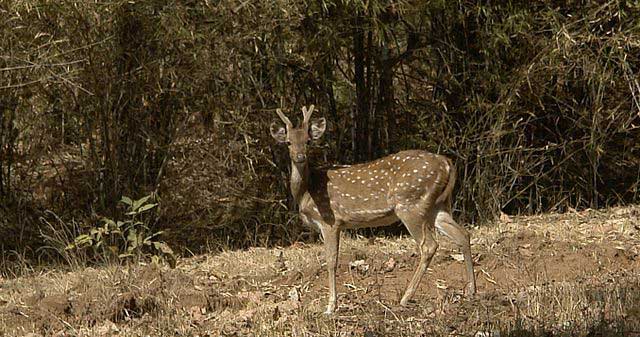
(385, 106)
(360, 115)
(327, 87)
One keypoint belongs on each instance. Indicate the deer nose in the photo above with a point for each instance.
(300, 157)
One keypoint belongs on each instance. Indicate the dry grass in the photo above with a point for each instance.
(559, 274)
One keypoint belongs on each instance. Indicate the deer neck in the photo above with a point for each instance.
(299, 181)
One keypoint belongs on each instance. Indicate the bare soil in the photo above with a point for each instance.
(574, 274)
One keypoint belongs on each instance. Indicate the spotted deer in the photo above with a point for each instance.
(412, 186)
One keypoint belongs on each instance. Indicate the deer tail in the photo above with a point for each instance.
(448, 190)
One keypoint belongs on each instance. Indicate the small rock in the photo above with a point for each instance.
(457, 257)
(360, 266)
(294, 295)
(389, 265)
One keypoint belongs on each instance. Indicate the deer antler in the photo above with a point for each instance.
(284, 118)
(307, 114)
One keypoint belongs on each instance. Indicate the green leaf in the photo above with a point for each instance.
(132, 237)
(146, 207)
(83, 238)
(109, 222)
(80, 241)
(154, 235)
(127, 200)
(139, 202)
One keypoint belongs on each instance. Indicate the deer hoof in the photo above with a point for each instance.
(471, 290)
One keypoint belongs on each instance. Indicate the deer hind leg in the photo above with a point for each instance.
(331, 237)
(421, 227)
(458, 234)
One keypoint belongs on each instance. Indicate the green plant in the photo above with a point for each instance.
(128, 239)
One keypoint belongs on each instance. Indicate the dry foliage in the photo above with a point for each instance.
(537, 104)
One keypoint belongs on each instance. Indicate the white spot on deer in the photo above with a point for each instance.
(424, 167)
(365, 199)
(415, 171)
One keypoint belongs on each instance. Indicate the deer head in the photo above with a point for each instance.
(297, 138)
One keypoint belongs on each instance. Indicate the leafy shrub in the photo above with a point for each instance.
(127, 239)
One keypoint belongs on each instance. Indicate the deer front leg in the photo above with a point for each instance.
(331, 235)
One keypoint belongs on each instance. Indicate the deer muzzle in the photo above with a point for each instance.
(300, 158)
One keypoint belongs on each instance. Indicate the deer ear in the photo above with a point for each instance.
(317, 127)
(278, 132)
